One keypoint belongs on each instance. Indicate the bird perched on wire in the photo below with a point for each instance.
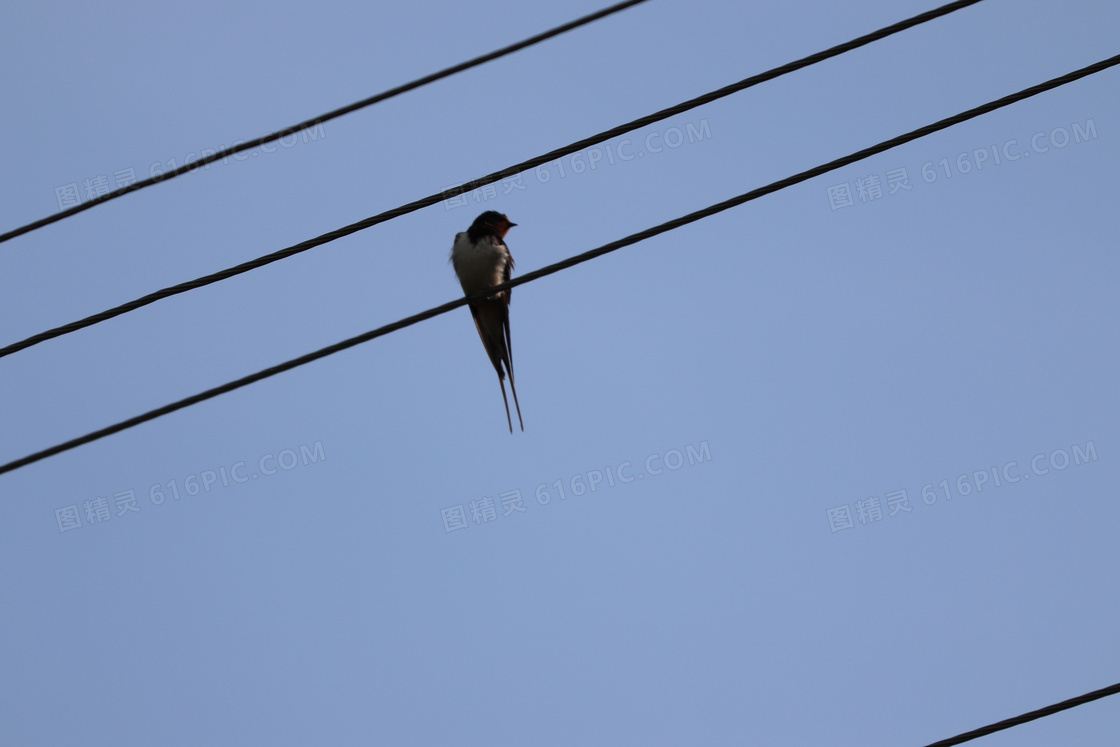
(482, 260)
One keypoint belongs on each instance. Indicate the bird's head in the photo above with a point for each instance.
(494, 221)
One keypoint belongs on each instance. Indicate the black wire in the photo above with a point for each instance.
(1040, 713)
(483, 181)
(569, 262)
(265, 139)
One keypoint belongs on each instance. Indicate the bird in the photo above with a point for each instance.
(482, 260)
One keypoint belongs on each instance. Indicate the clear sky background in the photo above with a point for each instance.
(748, 394)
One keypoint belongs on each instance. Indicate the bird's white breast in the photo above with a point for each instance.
(480, 265)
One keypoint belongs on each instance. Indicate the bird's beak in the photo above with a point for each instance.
(511, 225)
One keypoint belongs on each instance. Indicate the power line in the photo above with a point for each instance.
(483, 181)
(569, 262)
(315, 122)
(1040, 713)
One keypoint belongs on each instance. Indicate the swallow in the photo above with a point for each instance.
(482, 260)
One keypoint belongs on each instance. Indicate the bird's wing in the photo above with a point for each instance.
(491, 319)
(507, 272)
(507, 295)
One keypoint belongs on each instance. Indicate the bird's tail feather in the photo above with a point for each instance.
(518, 406)
(506, 401)
(492, 322)
(509, 367)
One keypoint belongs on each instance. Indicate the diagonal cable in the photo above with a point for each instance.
(569, 262)
(272, 137)
(482, 181)
(1031, 716)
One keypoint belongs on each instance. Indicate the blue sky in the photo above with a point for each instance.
(794, 414)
